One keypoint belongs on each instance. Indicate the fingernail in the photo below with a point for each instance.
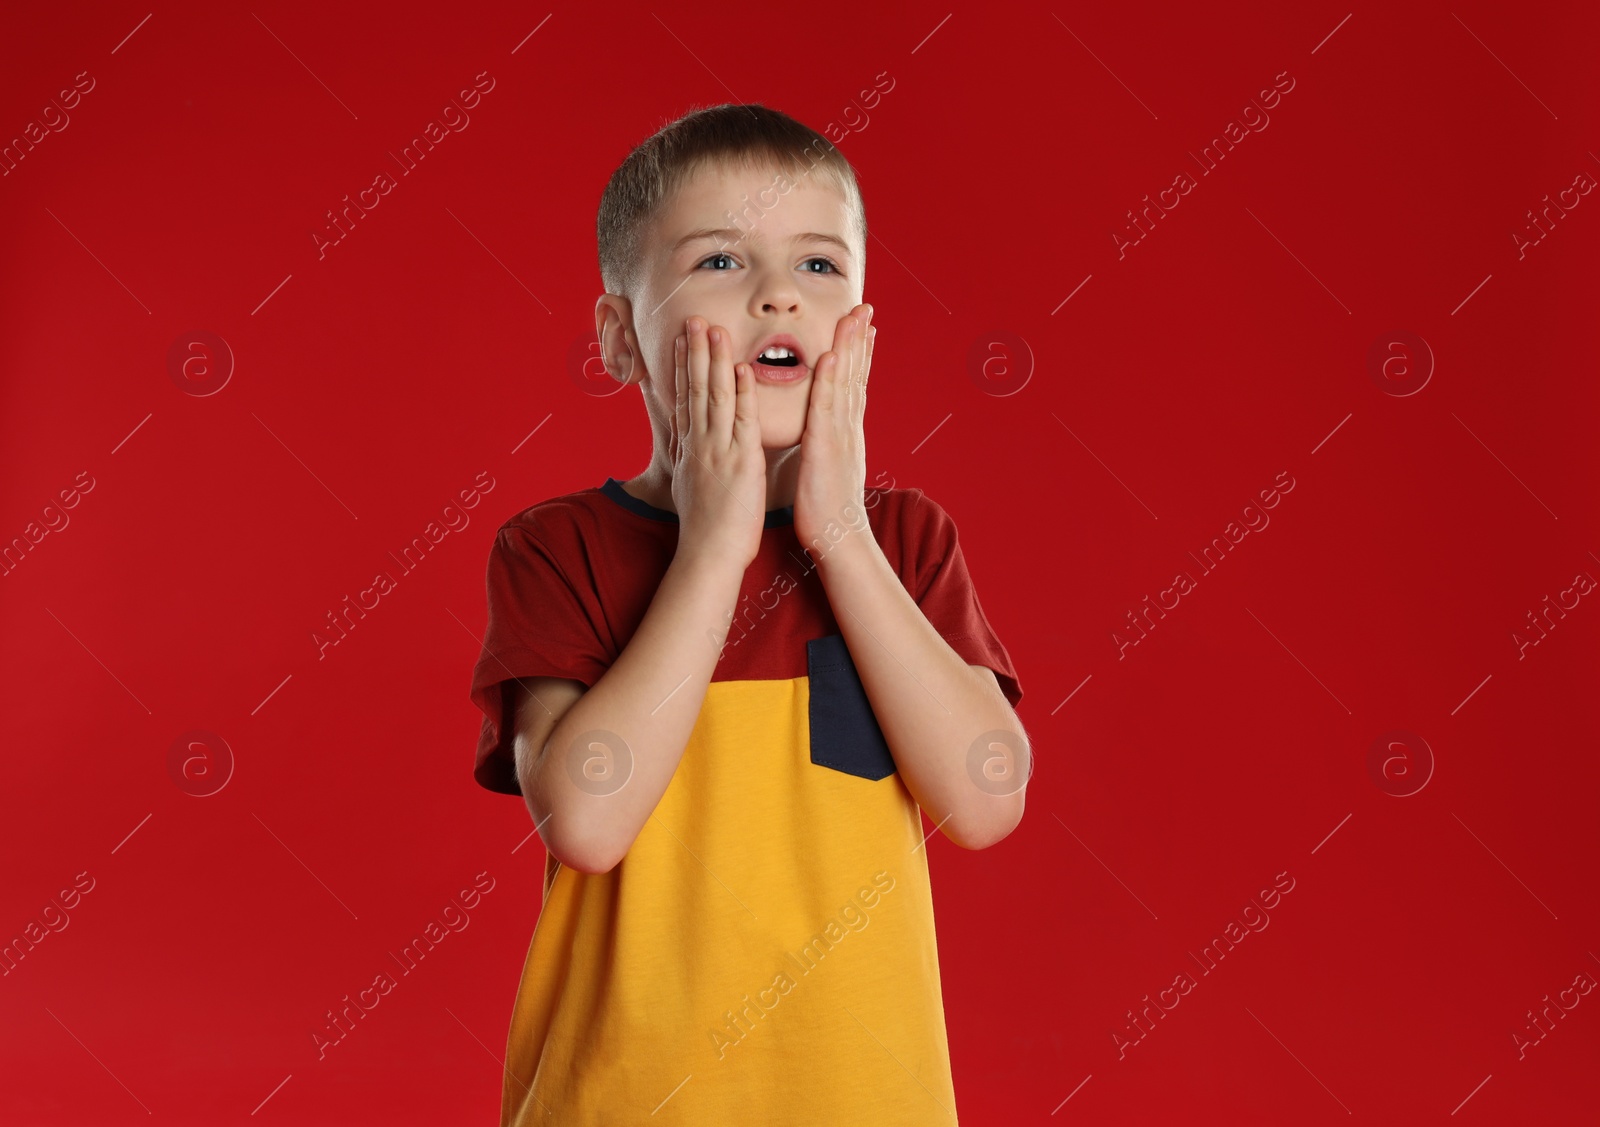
(716, 336)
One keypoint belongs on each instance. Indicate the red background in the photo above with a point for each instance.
(368, 387)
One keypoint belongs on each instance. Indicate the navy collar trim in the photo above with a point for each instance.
(776, 518)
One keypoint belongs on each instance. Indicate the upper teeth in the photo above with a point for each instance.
(777, 352)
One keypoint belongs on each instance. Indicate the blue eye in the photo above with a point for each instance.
(832, 267)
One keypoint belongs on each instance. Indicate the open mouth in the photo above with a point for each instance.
(778, 358)
(780, 355)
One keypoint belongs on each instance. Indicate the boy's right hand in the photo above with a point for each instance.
(719, 477)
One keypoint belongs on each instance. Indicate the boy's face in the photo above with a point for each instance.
(763, 272)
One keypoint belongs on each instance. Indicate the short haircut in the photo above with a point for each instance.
(751, 135)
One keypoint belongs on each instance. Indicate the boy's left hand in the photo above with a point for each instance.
(833, 447)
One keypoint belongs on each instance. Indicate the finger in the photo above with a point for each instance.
(849, 358)
(698, 371)
(680, 402)
(852, 368)
(823, 384)
(720, 389)
(866, 365)
(826, 385)
(746, 420)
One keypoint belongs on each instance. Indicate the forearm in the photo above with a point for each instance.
(930, 703)
(649, 700)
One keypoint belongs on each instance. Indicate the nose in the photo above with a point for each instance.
(777, 292)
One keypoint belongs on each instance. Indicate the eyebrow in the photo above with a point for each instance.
(722, 233)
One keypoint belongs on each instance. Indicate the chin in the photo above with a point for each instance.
(780, 438)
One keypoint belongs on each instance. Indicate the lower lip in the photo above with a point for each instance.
(774, 374)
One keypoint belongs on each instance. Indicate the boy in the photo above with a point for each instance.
(725, 687)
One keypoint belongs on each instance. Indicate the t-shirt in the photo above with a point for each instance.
(765, 950)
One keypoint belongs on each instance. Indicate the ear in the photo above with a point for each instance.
(619, 345)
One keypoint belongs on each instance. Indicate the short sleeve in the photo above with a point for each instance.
(946, 595)
(540, 624)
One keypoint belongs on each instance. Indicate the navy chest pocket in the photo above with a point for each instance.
(844, 732)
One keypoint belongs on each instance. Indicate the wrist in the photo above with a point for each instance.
(708, 564)
(856, 549)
